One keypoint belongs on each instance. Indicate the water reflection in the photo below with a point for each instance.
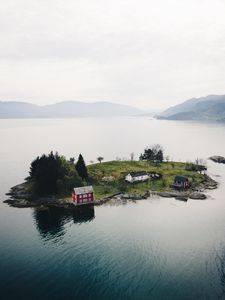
(51, 222)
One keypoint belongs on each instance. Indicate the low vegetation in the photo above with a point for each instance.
(117, 170)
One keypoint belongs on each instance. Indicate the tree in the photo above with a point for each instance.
(157, 152)
(154, 154)
(147, 155)
(200, 162)
(159, 156)
(81, 168)
(50, 174)
(45, 171)
(72, 160)
(199, 165)
(100, 159)
(132, 156)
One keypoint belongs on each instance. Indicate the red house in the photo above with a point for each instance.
(83, 195)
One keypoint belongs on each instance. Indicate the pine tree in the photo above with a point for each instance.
(81, 168)
(159, 156)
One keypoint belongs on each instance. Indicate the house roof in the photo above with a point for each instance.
(83, 190)
(137, 174)
(181, 179)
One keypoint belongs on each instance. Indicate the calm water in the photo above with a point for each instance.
(153, 249)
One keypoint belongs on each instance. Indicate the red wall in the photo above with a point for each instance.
(84, 198)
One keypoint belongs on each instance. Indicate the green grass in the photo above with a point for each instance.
(119, 169)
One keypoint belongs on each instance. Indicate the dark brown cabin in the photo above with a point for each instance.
(181, 182)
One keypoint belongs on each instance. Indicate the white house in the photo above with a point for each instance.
(137, 176)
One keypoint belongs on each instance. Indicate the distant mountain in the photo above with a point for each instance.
(67, 109)
(210, 108)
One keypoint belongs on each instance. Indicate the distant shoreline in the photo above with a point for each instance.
(65, 109)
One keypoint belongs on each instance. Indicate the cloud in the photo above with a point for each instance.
(148, 53)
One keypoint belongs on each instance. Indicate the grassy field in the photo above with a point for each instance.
(119, 169)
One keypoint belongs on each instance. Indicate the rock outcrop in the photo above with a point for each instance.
(197, 196)
(218, 159)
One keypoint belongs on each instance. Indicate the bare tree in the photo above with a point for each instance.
(200, 161)
(132, 156)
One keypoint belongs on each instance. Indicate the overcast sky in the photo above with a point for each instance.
(147, 53)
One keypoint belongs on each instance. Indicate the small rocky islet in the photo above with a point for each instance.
(218, 159)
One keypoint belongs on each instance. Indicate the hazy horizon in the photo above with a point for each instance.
(146, 54)
(144, 109)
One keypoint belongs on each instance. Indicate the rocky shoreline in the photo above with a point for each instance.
(20, 198)
(195, 194)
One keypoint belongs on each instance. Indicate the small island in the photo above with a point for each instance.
(52, 179)
(218, 159)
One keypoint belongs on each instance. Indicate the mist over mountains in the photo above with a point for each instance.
(66, 109)
(209, 108)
